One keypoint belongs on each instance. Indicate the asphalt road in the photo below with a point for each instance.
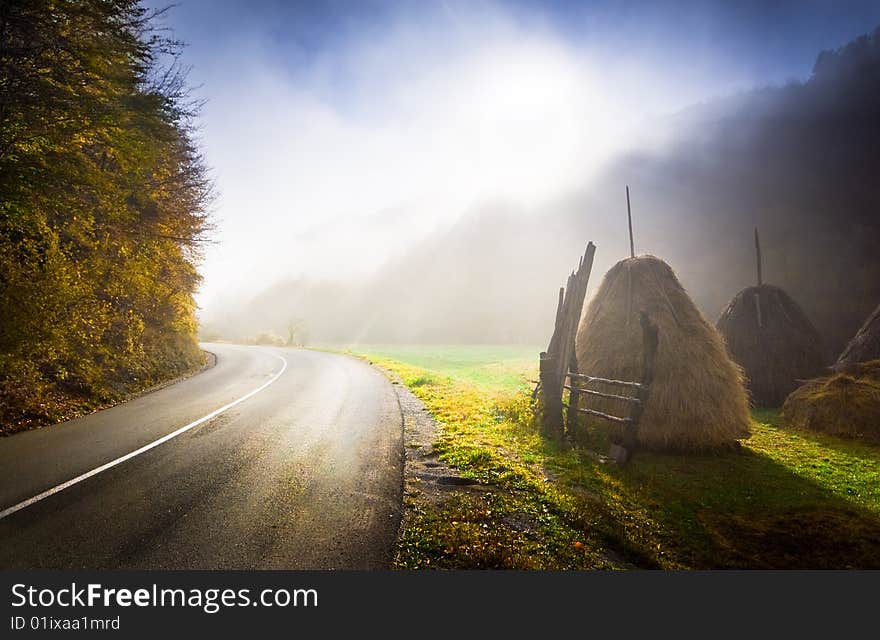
(306, 473)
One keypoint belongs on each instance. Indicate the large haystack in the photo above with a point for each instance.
(864, 346)
(697, 399)
(844, 404)
(772, 339)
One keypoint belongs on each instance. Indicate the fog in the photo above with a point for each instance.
(430, 173)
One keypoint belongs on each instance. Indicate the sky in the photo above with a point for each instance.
(340, 133)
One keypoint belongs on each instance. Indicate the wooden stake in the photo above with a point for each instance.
(758, 256)
(559, 357)
(629, 217)
(624, 444)
(578, 288)
(629, 291)
(552, 425)
(559, 307)
(758, 309)
(574, 402)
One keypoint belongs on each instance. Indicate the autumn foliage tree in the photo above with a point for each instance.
(103, 207)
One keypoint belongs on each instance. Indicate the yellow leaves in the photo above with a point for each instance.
(90, 294)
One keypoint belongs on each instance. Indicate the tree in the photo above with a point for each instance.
(103, 206)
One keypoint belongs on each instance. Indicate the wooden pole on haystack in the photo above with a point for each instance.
(632, 254)
(760, 279)
(629, 217)
(758, 256)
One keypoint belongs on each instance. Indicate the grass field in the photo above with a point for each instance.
(785, 500)
(489, 367)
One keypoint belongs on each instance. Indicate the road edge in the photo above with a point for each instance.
(426, 479)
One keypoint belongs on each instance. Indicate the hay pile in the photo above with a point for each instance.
(697, 399)
(864, 346)
(844, 404)
(772, 339)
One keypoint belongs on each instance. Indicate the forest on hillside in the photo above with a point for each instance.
(103, 207)
(799, 161)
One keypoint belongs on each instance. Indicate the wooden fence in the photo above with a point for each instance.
(556, 361)
(559, 372)
(625, 440)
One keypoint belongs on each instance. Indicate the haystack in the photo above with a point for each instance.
(865, 346)
(844, 404)
(697, 400)
(772, 339)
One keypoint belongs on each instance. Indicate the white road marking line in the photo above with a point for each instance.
(128, 456)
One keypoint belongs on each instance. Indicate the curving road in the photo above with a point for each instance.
(303, 473)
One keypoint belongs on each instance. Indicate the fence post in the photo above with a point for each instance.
(571, 416)
(622, 450)
(551, 401)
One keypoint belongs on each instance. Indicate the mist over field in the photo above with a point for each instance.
(457, 220)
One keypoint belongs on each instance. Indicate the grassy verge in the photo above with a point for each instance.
(785, 500)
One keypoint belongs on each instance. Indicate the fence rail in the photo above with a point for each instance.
(606, 416)
(622, 383)
(610, 396)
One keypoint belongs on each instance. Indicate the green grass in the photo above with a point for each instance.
(784, 500)
(490, 367)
